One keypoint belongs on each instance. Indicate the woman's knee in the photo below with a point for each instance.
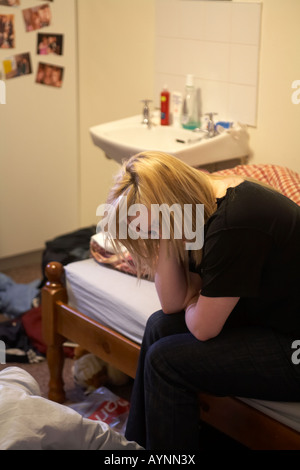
(155, 318)
(155, 360)
(164, 363)
(154, 328)
(160, 324)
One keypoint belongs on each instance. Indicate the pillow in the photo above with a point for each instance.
(103, 252)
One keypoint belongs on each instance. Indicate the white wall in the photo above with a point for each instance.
(116, 63)
(275, 139)
(38, 141)
(218, 42)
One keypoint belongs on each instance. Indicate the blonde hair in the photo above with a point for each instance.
(158, 178)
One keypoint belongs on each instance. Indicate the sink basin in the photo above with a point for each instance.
(123, 138)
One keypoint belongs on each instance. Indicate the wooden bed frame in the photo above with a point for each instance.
(231, 416)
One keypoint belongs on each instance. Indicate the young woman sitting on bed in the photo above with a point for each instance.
(230, 310)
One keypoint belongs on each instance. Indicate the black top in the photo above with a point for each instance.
(252, 250)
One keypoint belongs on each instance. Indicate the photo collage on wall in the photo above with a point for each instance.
(47, 44)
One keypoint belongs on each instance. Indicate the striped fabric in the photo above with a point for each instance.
(283, 179)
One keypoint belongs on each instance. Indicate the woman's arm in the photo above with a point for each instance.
(174, 290)
(206, 316)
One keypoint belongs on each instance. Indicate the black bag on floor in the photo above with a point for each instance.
(74, 246)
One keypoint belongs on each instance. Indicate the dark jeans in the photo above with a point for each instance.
(174, 366)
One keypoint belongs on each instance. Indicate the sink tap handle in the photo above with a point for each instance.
(146, 105)
(146, 111)
(211, 115)
(211, 125)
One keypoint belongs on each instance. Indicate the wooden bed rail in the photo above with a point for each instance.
(61, 322)
(52, 292)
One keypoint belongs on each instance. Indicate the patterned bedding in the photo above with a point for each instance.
(283, 179)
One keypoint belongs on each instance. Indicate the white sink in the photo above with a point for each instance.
(126, 137)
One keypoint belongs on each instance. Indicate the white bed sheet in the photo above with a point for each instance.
(115, 299)
(123, 303)
(287, 413)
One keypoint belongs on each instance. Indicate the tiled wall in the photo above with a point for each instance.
(218, 42)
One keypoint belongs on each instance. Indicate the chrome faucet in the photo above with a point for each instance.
(211, 127)
(146, 113)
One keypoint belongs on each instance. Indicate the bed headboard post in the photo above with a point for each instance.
(52, 292)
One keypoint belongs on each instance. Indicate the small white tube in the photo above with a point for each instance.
(176, 105)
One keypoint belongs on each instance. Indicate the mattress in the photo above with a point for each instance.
(123, 303)
(113, 298)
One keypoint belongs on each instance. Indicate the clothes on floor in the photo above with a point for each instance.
(16, 298)
(18, 345)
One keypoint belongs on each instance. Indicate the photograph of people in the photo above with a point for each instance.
(7, 32)
(49, 44)
(17, 65)
(10, 3)
(37, 17)
(50, 75)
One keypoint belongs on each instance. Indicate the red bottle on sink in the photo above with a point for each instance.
(165, 107)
